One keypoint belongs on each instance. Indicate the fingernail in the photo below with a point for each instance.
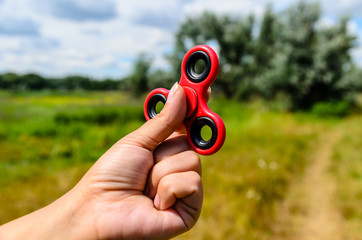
(172, 92)
(156, 202)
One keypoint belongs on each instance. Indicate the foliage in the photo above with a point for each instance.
(48, 140)
(100, 115)
(138, 81)
(310, 61)
(32, 81)
(332, 109)
(234, 39)
(288, 53)
(352, 80)
(162, 79)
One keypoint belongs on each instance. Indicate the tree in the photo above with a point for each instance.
(265, 42)
(310, 61)
(162, 78)
(76, 82)
(11, 81)
(139, 78)
(33, 81)
(351, 81)
(233, 37)
(290, 54)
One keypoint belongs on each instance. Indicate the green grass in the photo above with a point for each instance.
(243, 182)
(44, 137)
(347, 166)
(48, 140)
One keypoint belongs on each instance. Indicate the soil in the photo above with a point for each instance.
(309, 211)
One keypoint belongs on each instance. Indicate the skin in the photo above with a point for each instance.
(146, 186)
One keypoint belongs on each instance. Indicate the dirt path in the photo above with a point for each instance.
(309, 211)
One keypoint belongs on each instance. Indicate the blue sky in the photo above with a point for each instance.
(102, 38)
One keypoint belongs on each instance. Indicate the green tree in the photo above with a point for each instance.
(162, 79)
(33, 81)
(352, 80)
(289, 54)
(233, 36)
(138, 81)
(265, 42)
(11, 81)
(310, 60)
(76, 82)
(105, 84)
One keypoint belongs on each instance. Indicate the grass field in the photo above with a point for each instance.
(48, 140)
(347, 166)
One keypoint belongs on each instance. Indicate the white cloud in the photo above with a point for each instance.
(326, 22)
(230, 6)
(102, 38)
(340, 8)
(10, 25)
(357, 55)
(77, 10)
(357, 52)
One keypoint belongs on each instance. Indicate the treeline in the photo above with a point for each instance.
(32, 81)
(288, 55)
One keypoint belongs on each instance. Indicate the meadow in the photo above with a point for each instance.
(48, 140)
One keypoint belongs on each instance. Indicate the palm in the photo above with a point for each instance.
(147, 186)
(125, 218)
(122, 207)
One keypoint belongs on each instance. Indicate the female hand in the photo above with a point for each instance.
(146, 186)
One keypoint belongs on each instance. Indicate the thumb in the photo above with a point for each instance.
(156, 130)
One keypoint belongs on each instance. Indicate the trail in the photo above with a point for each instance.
(309, 211)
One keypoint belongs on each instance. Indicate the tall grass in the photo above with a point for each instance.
(347, 166)
(49, 140)
(44, 137)
(243, 182)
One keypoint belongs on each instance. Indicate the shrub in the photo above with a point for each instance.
(101, 116)
(332, 109)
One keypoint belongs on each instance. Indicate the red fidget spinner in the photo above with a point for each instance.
(198, 113)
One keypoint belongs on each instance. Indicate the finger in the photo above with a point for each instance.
(175, 144)
(208, 94)
(182, 162)
(156, 130)
(180, 130)
(185, 185)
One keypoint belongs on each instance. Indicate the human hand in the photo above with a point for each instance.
(146, 186)
(143, 174)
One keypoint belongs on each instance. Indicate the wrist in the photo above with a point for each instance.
(72, 217)
(63, 219)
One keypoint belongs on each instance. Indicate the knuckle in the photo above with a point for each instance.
(197, 179)
(195, 183)
(157, 175)
(146, 142)
(166, 184)
(194, 161)
(165, 119)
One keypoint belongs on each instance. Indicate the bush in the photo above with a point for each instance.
(101, 116)
(332, 109)
(291, 53)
